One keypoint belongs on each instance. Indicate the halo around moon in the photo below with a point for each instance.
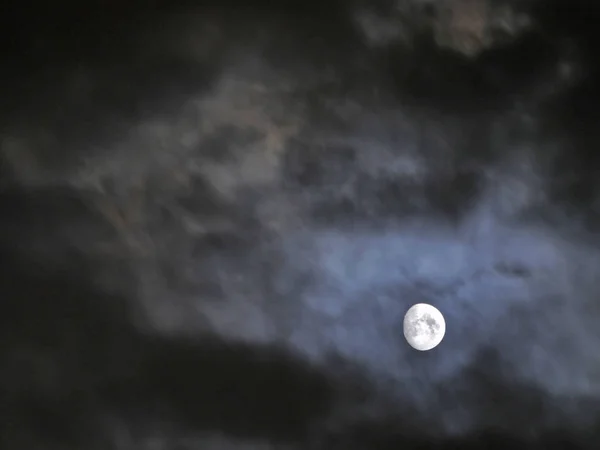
(424, 327)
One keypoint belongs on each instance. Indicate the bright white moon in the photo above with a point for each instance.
(424, 327)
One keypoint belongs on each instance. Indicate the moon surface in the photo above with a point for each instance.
(424, 327)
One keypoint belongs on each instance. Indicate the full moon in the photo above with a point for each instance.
(424, 327)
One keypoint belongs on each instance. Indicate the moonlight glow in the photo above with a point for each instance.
(424, 326)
